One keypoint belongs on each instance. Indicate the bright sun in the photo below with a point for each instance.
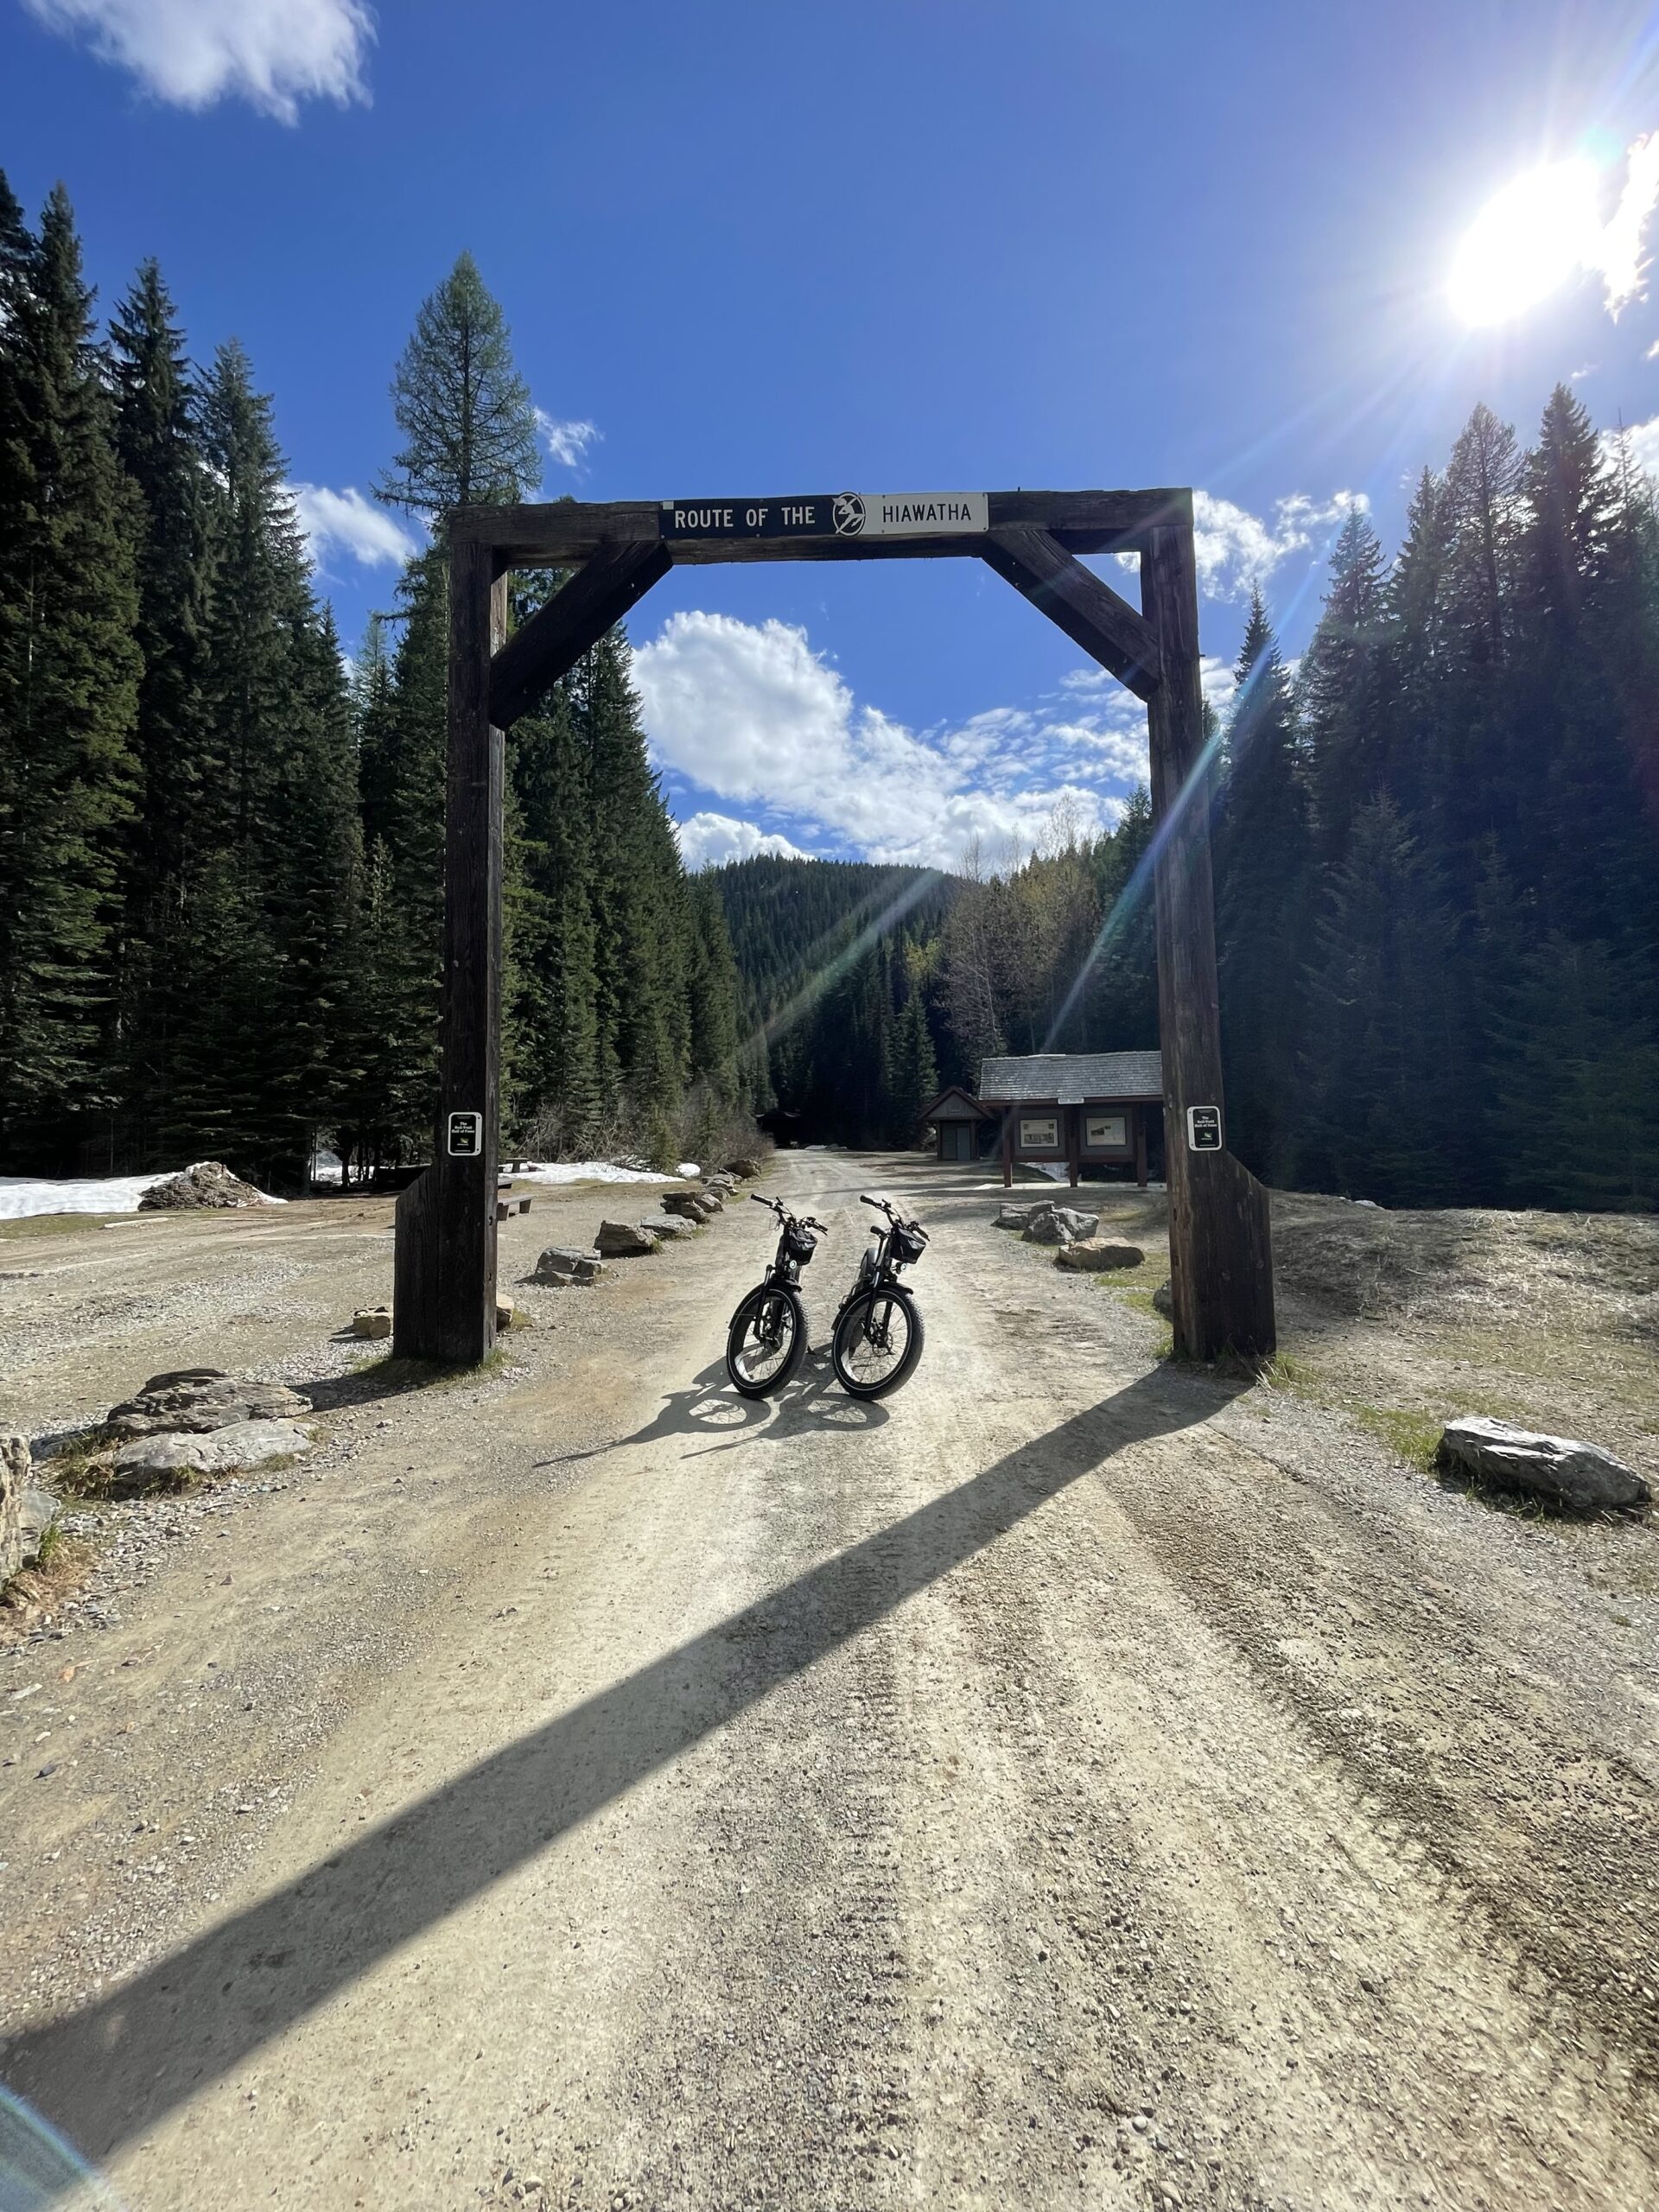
(1525, 243)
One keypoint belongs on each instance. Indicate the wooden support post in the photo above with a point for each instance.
(1073, 1143)
(1221, 1256)
(1008, 1156)
(1139, 1125)
(444, 1296)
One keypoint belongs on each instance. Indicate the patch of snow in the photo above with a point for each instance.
(1056, 1170)
(325, 1167)
(690, 1167)
(21, 1196)
(586, 1171)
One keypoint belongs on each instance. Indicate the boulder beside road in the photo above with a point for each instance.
(1052, 1225)
(248, 1443)
(1097, 1254)
(561, 1265)
(198, 1400)
(625, 1240)
(1559, 1469)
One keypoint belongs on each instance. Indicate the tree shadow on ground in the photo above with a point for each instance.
(115, 2067)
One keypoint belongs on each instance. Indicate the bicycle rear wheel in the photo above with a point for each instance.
(765, 1342)
(878, 1341)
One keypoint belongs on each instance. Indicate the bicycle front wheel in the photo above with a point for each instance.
(767, 1342)
(878, 1342)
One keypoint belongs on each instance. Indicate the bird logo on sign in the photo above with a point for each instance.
(849, 514)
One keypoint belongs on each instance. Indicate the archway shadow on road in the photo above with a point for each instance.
(711, 1410)
(115, 2067)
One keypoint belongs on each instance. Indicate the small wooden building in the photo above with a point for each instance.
(1080, 1108)
(960, 1124)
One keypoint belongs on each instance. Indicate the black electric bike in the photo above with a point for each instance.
(878, 1335)
(766, 1340)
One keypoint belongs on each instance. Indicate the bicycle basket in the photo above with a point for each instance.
(909, 1243)
(800, 1244)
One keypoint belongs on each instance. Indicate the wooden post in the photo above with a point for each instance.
(444, 1296)
(1140, 1126)
(1221, 1257)
(1007, 1155)
(1073, 1143)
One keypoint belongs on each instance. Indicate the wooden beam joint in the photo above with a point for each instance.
(576, 617)
(1074, 598)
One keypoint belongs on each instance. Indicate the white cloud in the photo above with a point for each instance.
(274, 54)
(1234, 549)
(750, 712)
(1618, 257)
(368, 532)
(568, 442)
(707, 839)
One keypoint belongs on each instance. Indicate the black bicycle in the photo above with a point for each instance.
(878, 1339)
(766, 1341)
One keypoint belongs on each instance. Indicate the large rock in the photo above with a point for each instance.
(251, 1443)
(745, 1169)
(373, 1322)
(14, 1481)
(671, 1225)
(209, 1183)
(1052, 1225)
(690, 1205)
(1012, 1217)
(1582, 1477)
(724, 1182)
(710, 1202)
(563, 1264)
(198, 1400)
(36, 1510)
(1096, 1255)
(625, 1240)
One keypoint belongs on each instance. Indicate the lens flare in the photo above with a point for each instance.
(1527, 242)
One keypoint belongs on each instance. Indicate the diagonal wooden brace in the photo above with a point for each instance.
(1074, 598)
(577, 616)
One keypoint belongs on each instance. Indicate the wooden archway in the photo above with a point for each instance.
(1222, 1273)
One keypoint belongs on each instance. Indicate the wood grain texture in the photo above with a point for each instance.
(576, 617)
(1078, 601)
(1221, 1255)
(562, 533)
(448, 1269)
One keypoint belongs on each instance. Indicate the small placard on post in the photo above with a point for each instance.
(1203, 1128)
(466, 1136)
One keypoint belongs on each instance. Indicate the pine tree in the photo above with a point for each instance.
(465, 412)
(1262, 865)
(1341, 686)
(155, 437)
(68, 685)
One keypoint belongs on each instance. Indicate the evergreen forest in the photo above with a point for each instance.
(1436, 850)
(1436, 832)
(221, 843)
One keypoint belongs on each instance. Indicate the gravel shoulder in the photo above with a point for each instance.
(1075, 1780)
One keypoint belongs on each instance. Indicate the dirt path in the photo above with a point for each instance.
(1074, 1782)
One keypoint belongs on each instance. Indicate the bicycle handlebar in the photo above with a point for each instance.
(777, 1206)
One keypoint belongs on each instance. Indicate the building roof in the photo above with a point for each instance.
(954, 1104)
(1071, 1078)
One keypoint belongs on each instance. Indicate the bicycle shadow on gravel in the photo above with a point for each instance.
(117, 2066)
(712, 1409)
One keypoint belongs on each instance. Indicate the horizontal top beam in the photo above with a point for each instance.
(562, 533)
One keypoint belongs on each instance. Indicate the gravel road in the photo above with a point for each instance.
(1074, 1780)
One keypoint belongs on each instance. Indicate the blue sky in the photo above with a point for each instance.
(764, 249)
